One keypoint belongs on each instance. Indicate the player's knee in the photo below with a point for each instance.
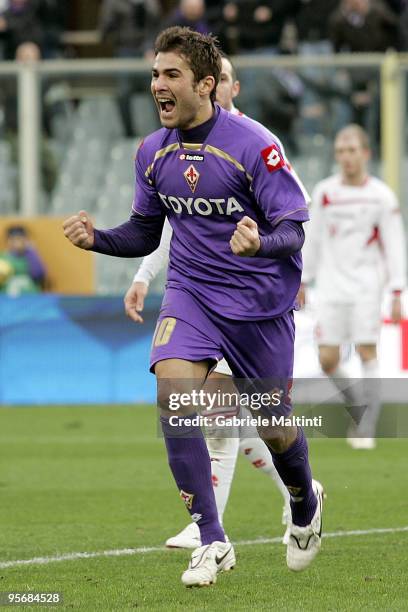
(173, 398)
(367, 352)
(274, 436)
(329, 361)
(222, 447)
(169, 398)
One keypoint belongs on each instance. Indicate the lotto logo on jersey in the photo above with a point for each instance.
(187, 157)
(187, 498)
(273, 158)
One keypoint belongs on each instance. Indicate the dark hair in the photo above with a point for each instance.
(200, 51)
(16, 230)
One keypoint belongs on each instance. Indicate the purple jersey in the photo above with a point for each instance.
(205, 190)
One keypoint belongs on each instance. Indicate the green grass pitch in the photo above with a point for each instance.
(93, 479)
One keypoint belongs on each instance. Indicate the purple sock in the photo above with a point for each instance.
(294, 469)
(191, 466)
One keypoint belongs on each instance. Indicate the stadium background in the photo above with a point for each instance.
(80, 472)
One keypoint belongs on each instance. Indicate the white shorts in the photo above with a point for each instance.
(222, 367)
(358, 322)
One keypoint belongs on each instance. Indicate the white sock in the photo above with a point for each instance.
(223, 453)
(351, 390)
(347, 386)
(372, 396)
(256, 451)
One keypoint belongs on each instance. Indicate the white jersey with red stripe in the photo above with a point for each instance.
(354, 241)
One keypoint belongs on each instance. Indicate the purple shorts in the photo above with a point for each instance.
(253, 349)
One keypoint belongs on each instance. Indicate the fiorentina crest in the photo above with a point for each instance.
(187, 498)
(191, 175)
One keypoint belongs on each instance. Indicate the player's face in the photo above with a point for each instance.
(227, 88)
(178, 98)
(351, 156)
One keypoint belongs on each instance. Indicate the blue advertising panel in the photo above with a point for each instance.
(68, 350)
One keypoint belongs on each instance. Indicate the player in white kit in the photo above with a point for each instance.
(223, 450)
(354, 247)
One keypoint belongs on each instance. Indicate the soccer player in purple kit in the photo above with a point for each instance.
(234, 273)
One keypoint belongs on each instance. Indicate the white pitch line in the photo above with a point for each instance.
(124, 552)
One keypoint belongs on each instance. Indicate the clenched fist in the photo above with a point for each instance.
(245, 240)
(79, 230)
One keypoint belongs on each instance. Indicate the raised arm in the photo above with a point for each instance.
(135, 238)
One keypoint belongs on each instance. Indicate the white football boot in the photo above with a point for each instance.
(361, 443)
(189, 537)
(304, 542)
(206, 562)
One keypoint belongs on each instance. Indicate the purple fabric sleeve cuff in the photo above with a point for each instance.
(286, 240)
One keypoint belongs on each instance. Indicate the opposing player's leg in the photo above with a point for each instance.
(222, 442)
(256, 452)
(262, 352)
(366, 322)
(364, 435)
(329, 358)
(333, 330)
(224, 448)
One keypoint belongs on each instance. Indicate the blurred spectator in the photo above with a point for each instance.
(311, 22)
(400, 8)
(259, 23)
(259, 31)
(21, 268)
(20, 23)
(364, 26)
(275, 103)
(190, 14)
(28, 52)
(54, 16)
(131, 25)
(312, 18)
(403, 27)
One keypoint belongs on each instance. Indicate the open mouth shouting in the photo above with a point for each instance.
(166, 107)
